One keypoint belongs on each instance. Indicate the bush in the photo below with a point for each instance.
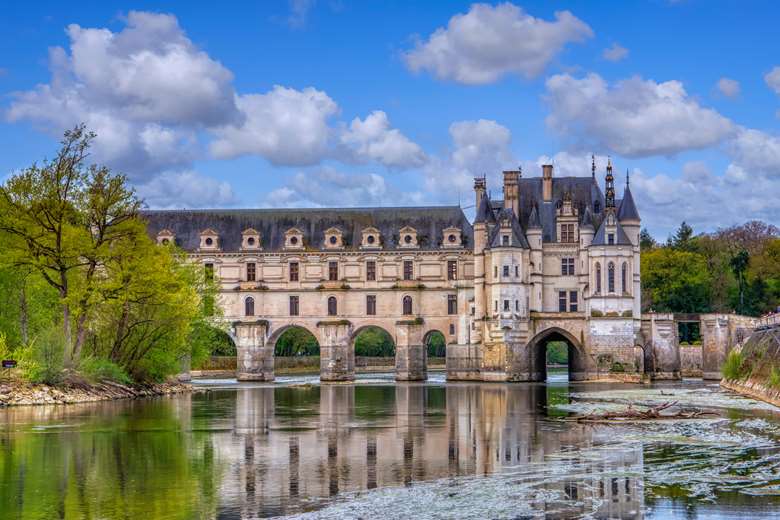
(97, 370)
(734, 367)
(774, 378)
(43, 360)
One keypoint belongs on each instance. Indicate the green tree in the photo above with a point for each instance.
(437, 346)
(297, 341)
(739, 265)
(646, 240)
(683, 239)
(374, 342)
(675, 281)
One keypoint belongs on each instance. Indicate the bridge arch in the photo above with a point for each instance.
(434, 335)
(538, 351)
(275, 334)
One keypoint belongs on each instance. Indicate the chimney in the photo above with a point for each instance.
(512, 191)
(480, 185)
(547, 172)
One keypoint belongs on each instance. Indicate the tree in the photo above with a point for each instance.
(374, 342)
(646, 240)
(675, 281)
(683, 239)
(297, 341)
(62, 220)
(739, 264)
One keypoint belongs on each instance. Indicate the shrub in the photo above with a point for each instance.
(774, 378)
(43, 360)
(617, 367)
(97, 370)
(734, 367)
(596, 313)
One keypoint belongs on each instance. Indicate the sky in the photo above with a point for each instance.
(367, 103)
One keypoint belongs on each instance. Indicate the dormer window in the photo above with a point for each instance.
(166, 237)
(408, 237)
(250, 239)
(209, 240)
(451, 237)
(504, 240)
(611, 239)
(370, 238)
(333, 238)
(293, 239)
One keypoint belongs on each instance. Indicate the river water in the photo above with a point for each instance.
(376, 449)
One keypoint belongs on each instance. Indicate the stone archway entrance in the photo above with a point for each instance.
(575, 357)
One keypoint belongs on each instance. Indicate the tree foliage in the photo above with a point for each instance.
(375, 342)
(297, 341)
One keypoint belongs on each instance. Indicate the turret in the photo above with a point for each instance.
(627, 214)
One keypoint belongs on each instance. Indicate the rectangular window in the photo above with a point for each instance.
(567, 233)
(611, 239)
(506, 305)
(408, 270)
(371, 305)
(495, 271)
(293, 271)
(504, 240)
(506, 271)
(452, 304)
(250, 272)
(517, 305)
(562, 301)
(517, 271)
(208, 269)
(495, 305)
(333, 271)
(452, 270)
(472, 311)
(371, 270)
(294, 306)
(572, 301)
(452, 329)
(567, 266)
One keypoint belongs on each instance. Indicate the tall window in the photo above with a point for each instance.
(208, 269)
(517, 271)
(333, 271)
(567, 233)
(294, 303)
(408, 270)
(506, 305)
(249, 306)
(624, 278)
(370, 270)
(495, 271)
(611, 277)
(598, 278)
(452, 270)
(332, 307)
(371, 305)
(407, 305)
(452, 304)
(293, 271)
(567, 266)
(611, 239)
(562, 296)
(506, 271)
(573, 301)
(452, 329)
(504, 240)
(250, 272)
(517, 305)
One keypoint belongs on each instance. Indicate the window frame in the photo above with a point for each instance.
(333, 306)
(371, 305)
(249, 306)
(407, 306)
(294, 271)
(370, 270)
(333, 271)
(408, 270)
(452, 304)
(251, 271)
(563, 301)
(294, 307)
(452, 269)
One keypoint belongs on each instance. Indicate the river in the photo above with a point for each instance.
(376, 449)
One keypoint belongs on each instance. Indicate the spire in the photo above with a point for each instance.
(484, 212)
(609, 187)
(627, 210)
(533, 219)
(626, 177)
(593, 166)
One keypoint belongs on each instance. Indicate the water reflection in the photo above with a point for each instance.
(365, 450)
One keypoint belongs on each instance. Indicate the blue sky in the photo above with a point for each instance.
(376, 103)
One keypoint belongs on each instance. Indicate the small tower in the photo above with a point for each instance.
(609, 188)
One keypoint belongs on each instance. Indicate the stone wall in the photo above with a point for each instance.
(690, 360)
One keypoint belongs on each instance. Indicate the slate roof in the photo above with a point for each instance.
(518, 240)
(600, 238)
(429, 222)
(627, 209)
(485, 212)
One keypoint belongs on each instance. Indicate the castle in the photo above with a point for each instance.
(556, 259)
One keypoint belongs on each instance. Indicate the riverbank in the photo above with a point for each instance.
(20, 393)
(753, 388)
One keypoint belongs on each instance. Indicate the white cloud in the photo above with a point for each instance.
(728, 87)
(480, 147)
(186, 189)
(326, 186)
(299, 10)
(633, 117)
(567, 164)
(143, 83)
(286, 126)
(615, 52)
(372, 139)
(772, 79)
(489, 42)
(756, 151)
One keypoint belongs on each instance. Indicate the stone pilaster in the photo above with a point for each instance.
(337, 359)
(255, 358)
(410, 353)
(660, 332)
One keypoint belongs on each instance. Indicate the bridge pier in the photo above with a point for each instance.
(337, 359)
(410, 352)
(255, 357)
(662, 351)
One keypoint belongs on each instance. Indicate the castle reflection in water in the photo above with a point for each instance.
(294, 449)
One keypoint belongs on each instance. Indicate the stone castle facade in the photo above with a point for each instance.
(556, 259)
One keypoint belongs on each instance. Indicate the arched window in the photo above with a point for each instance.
(332, 308)
(598, 278)
(407, 304)
(611, 277)
(624, 278)
(249, 306)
